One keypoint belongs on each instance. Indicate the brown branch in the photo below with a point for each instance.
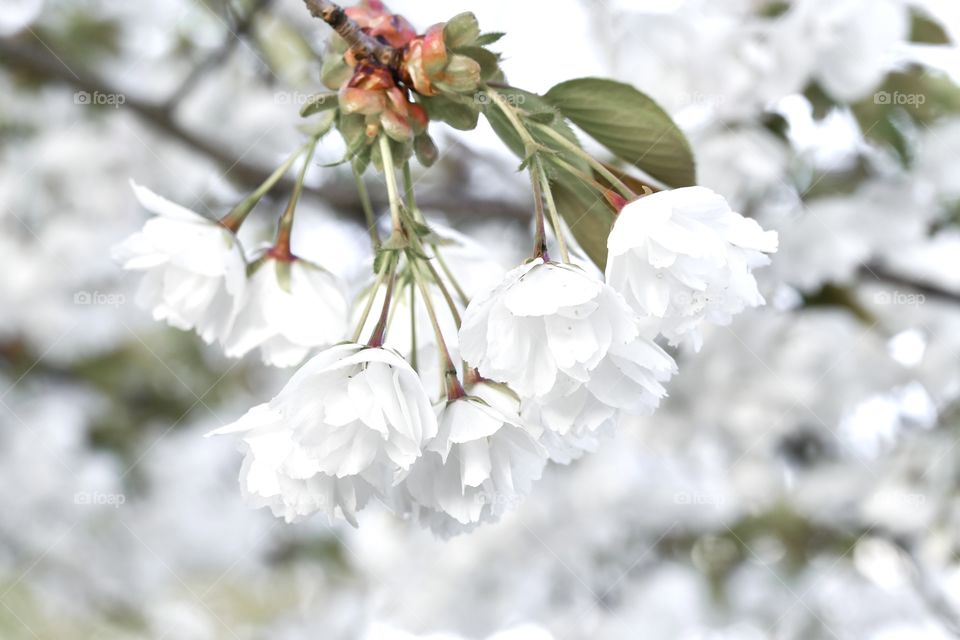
(883, 275)
(363, 45)
(239, 30)
(340, 195)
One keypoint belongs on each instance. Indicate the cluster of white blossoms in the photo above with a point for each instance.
(197, 277)
(552, 356)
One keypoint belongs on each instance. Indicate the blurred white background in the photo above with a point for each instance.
(800, 482)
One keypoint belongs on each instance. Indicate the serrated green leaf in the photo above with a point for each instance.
(630, 124)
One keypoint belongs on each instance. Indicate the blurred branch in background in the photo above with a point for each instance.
(39, 61)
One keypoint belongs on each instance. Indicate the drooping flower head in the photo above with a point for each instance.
(195, 272)
(683, 257)
(543, 323)
(291, 306)
(484, 459)
(352, 413)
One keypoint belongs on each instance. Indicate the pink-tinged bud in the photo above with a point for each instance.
(616, 200)
(418, 117)
(365, 101)
(396, 126)
(434, 56)
(414, 73)
(373, 129)
(377, 20)
(398, 101)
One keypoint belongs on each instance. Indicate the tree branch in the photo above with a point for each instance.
(340, 195)
(878, 273)
(363, 45)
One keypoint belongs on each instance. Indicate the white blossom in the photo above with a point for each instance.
(290, 307)
(629, 380)
(543, 324)
(351, 418)
(683, 257)
(195, 272)
(279, 472)
(483, 461)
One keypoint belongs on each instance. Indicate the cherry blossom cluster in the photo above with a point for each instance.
(443, 403)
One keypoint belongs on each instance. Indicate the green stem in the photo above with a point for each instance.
(540, 239)
(369, 304)
(464, 299)
(367, 210)
(408, 187)
(554, 213)
(450, 380)
(418, 244)
(281, 248)
(413, 326)
(239, 213)
(390, 171)
(380, 330)
(598, 166)
(530, 146)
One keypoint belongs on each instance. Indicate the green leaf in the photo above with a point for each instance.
(630, 124)
(926, 30)
(461, 31)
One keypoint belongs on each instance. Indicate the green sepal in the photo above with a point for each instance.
(320, 102)
(462, 30)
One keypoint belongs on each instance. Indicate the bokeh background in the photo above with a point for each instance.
(800, 482)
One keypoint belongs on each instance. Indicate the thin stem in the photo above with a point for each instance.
(413, 326)
(369, 304)
(540, 239)
(598, 166)
(380, 330)
(239, 213)
(393, 192)
(451, 382)
(408, 188)
(368, 211)
(530, 146)
(418, 215)
(363, 45)
(281, 248)
(453, 279)
(554, 213)
(586, 178)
